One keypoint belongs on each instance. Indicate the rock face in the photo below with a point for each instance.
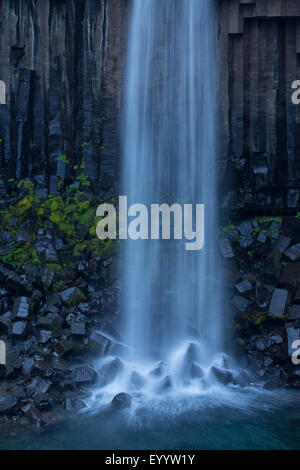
(266, 312)
(62, 64)
(259, 50)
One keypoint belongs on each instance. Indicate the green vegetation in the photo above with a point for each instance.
(73, 215)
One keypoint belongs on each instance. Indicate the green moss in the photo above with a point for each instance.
(54, 266)
(22, 206)
(22, 254)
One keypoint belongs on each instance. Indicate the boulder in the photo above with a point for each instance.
(109, 371)
(15, 283)
(121, 401)
(223, 376)
(20, 329)
(278, 303)
(243, 286)
(243, 379)
(8, 405)
(38, 386)
(42, 402)
(137, 380)
(72, 297)
(245, 228)
(21, 308)
(293, 253)
(282, 243)
(165, 384)
(73, 402)
(78, 328)
(84, 375)
(99, 343)
(226, 248)
(240, 303)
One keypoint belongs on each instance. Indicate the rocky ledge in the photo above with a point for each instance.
(58, 287)
(262, 266)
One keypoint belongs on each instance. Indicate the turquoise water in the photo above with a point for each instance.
(236, 421)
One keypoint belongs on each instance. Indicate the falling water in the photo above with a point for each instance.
(171, 302)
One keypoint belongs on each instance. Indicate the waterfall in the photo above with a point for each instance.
(171, 298)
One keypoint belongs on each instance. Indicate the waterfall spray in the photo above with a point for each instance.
(171, 300)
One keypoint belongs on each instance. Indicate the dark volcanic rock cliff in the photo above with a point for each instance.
(260, 149)
(62, 63)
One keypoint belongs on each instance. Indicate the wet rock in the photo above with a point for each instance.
(293, 253)
(262, 344)
(109, 372)
(40, 368)
(98, 343)
(8, 405)
(240, 303)
(244, 286)
(159, 370)
(45, 336)
(246, 242)
(63, 347)
(28, 365)
(49, 254)
(54, 184)
(277, 339)
(282, 243)
(78, 328)
(278, 303)
(245, 228)
(32, 414)
(84, 375)
(15, 283)
(26, 231)
(46, 277)
(42, 402)
(121, 401)
(268, 361)
(263, 296)
(243, 379)
(72, 296)
(294, 312)
(226, 248)
(20, 329)
(21, 308)
(52, 321)
(262, 237)
(13, 361)
(222, 375)
(38, 386)
(137, 380)
(195, 371)
(165, 384)
(5, 322)
(73, 402)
